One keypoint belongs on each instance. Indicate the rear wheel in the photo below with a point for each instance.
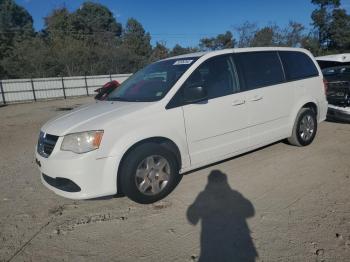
(305, 128)
(149, 173)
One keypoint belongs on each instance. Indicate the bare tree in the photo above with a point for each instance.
(246, 33)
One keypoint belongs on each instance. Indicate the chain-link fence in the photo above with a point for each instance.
(25, 90)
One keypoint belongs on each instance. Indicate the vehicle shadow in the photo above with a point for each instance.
(337, 121)
(225, 234)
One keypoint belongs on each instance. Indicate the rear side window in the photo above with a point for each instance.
(259, 69)
(297, 65)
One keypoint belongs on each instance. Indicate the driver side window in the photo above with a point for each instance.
(217, 75)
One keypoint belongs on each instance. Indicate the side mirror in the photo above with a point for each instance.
(195, 94)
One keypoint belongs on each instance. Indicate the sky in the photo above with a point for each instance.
(187, 21)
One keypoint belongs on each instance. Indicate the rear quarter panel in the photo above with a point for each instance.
(306, 91)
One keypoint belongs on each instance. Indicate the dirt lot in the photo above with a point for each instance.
(280, 203)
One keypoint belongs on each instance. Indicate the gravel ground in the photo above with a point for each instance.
(279, 203)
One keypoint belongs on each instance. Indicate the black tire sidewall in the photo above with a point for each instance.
(313, 115)
(130, 164)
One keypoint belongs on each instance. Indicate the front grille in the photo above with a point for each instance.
(46, 144)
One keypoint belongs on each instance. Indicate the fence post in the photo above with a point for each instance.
(32, 83)
(86, 86)
(2, 92)
(63, 89)
(110, 76)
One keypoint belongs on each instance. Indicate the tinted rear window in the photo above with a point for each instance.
(298, 65)
(259, 69)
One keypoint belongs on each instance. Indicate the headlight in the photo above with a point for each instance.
(82, 142)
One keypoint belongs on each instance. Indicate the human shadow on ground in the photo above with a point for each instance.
(223, 212)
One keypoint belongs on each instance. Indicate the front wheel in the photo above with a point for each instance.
(149, 173)
(305, 128)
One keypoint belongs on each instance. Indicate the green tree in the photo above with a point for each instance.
(264, 37)
(339, 30)
(93, 18)
(311, 43)
(221, 41)
(160, 51)
(138, 43)
(90, 20)
(179, 50)
(58, 23)
(85, 41)
(322, 17)
(29, 58)
(16, 24)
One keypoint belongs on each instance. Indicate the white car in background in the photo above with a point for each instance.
(336, 70)
(179, 114)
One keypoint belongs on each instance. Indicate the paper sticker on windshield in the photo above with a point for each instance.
(183, 62)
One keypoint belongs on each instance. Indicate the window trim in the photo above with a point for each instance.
(173, 103)
(240, 79)
(236, 75)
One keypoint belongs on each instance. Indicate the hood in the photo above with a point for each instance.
(92, 117)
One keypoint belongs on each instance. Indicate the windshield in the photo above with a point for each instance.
(152, 82)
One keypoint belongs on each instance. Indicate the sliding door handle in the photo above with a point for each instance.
(257, 98)
(238, 102)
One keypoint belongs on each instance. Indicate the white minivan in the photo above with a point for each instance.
(179, 114)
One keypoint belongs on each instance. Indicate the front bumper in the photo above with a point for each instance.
(338, 113)
(78, 176)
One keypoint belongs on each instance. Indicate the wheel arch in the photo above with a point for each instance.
(312, 106)
(163, 141)
(304, 103)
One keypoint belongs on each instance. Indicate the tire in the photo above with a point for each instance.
(146, 181)
(305, 128)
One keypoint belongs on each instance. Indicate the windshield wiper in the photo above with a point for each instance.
(131, 100)
(118, 99)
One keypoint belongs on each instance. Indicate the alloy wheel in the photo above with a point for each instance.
(152, 175)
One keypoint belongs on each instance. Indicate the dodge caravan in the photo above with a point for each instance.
(179, 114)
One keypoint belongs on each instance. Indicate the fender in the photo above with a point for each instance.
(125, 143)
(301, 102)
(168, 124)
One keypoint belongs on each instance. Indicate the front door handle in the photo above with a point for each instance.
(238, 102)
(256, 98)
